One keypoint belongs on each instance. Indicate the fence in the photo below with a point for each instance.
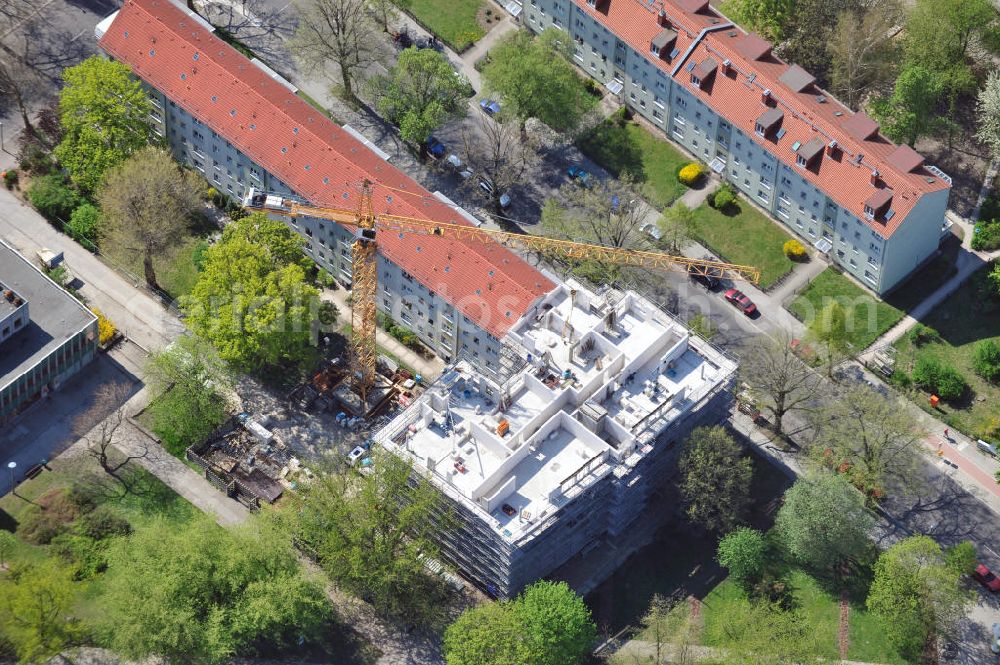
(224, 481)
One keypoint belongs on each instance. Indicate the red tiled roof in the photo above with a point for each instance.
(808, 114)
(213, 82)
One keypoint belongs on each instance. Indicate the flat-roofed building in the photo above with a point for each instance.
(764, 126)
(567, 452)
(46, 335)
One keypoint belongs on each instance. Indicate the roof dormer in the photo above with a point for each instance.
(769, 122)
(877, 205)
(807, 155)
(701, 74)
(662, 45)
(753, 47)
(797, 79)
(860, 126)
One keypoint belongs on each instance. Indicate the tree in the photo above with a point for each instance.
(16, 81)
(742, 552)
(939, 34)
(871, 438)
(498, 152)
(916, 594)
(962, 557)
(340, 31)
(190, 384)
(207, 593)
(35, 606)
(908, 113)
(670, 630)
(808, 31)
(53, 198)
(986, 360)
(371, 534)
(147, 206)
(419, 94)
(84, 224)
(778, 380)
(548, 624)
(386, 11)
(830, 329)
(860, 50)
(676, 226)
(716, 479)
(252, 300)
(939, 378)
(988, 114)
(768, 17)
(823, 521)
(98, 426)
(607, 213)
(762, 633)
(104, 115)
(535, 79)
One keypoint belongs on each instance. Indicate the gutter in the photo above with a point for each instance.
(694, 45)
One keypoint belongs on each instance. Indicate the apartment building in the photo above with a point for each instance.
(242, 126)
(565, 454)
(873, 208)
(46, 335)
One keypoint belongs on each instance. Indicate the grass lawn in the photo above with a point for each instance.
(175, 269)
(969, 316)
(870, 317)
(820, 609)
(453, 21)
(631, 148)
(745, 236)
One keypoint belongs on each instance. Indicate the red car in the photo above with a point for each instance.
(983, 575)
(742, 303)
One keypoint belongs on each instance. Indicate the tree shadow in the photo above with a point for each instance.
(612, 146)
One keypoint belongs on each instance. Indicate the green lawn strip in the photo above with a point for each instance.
(965, 318)
(631, 148)
(453, 21)
(745, 236)
(347, 330)
(867, 639)
(175, 268)
(316, 105)
(868, 317)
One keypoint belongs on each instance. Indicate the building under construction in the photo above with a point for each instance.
(565, 453)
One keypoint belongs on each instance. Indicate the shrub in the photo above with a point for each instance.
(921, 334)
(943, 380)
(10, 178)
(986, 236)
(83, 224)
(961, 557)
(87, 556)
(986, 360)
(34, 159)
(105, 329)
(742, 552)
(325, 279)
(84, 496)
(794, 250)
(104, 523)
(47, 518)
(690, 174)
(53, 198)
(723, 197)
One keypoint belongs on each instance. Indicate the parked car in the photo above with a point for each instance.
(456, 163)
(711, 281)
(581, 176)
(435, 148)
(741, 302)
(489, 106)
(985, 576)
(651, 230)
(487, 186)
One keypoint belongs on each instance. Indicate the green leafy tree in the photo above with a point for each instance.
(207, 593)
(986, 360)
(53, 198)
(419, 94)
(104, 115)
(742, 552)
(536, 80)
(36, 602)
(909, 113)
(831, 330)
(716, 478)
(994, 277)
(191, 383)
(84, 224)
(916, 594)
(939, 378)
(871, 438)
(371, 534)
(861, 51)
(252, 300)
(962, 557)
(988, 114)
(762, 633)
(147, 205)
(823, 521)
(548, 624)
(808, 32)
(768, 17)
(677, 223)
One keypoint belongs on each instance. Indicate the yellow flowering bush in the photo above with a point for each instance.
(795, 250)
(691, 174)
(105, 329)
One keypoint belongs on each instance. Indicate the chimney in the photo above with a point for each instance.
(765, 96)
(662, 17)
(726, 64)
(831, 148)
(875, 177)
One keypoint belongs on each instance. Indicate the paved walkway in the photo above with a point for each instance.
(645, 652)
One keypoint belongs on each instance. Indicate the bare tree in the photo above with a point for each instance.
(860, 51)
(870, 437)
(385, 11)
(99, 426)
(607, 213)
(337, 30)
(16, 79)
(778, 379)
(148, 204)
(498, 152)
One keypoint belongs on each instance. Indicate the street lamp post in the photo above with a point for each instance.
(12, 466)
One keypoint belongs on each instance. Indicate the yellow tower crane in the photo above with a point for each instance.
(365, 273)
